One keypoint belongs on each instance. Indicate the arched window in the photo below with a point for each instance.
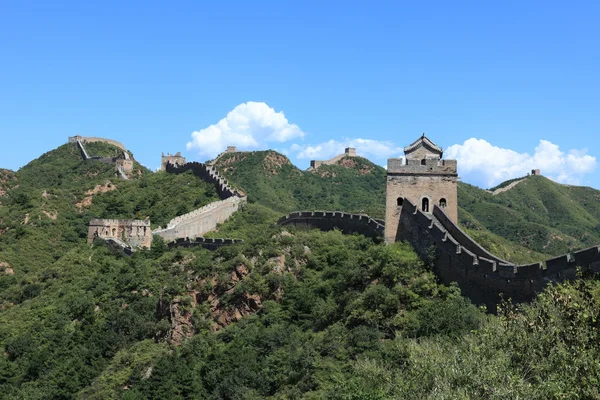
(423, 162)
(425, 204)
(399, 201)
(442, 203)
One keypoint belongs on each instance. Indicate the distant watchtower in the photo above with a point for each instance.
(425, 180)
(175, 159)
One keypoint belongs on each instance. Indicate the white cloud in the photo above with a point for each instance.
(481, 163)
(249, 125)
(364, 147)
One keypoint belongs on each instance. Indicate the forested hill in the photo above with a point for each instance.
(354, 184)
(538, 213)
(287, 314)
(534, 220)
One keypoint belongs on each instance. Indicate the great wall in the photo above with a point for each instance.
(421, 209)
(184, 230)
(123, 163)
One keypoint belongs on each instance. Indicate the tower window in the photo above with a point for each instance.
(425, 204)
(399, 201)
(442, 203)
(423, 162)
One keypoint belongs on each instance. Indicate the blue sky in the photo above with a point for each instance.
(503, 86)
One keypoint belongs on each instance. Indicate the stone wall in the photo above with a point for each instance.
(202, 220)
(348, 152)
(207, 243)
(176, 159)
(90, 139)
(458, 258)
(209, 174)
(136, 233)
(230, 149)
(430, 179)
(329, 220)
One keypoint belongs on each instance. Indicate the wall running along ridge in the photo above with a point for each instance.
(329, 220)
(203, 219)
(348, 152)
(135, 233)
(89, 139)
(122, 165)
(480, 275)
(207, 243)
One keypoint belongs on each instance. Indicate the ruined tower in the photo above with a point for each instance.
(426, 180)
(176, 159)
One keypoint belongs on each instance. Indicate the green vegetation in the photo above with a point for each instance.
(289, 313)
(539, 214)
(353, 185)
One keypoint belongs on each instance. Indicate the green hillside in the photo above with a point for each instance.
(47, 204)
(533, 221)
(542, 215)
(287, 314)
(269, 178)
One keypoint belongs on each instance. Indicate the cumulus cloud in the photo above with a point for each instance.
(249, 125)
(482, 163)
(364, 147)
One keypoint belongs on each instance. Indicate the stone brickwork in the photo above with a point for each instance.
(207, 243)
(348, 152)
(228, 150)
(136, 233)
(125, 165)
(329, 220)
(209, 174)
(480, 275)
(201, 220)
(425, 180)
(205, 219)
(535, 172)
(174, 159)
(90, 139)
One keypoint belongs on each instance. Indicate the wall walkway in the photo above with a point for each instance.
(329, 220)
(204, 219)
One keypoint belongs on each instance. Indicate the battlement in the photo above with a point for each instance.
(481, 275)
(329, 220)
(201, 220)
(136, 233)
(348, 152)
(207, 243)
(91, 139)
(208, 173)
(426, 166)
(174, 159)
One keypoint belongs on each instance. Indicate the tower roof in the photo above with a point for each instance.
(425, 142)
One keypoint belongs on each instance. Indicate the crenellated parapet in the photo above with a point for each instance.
(348, 152)
(329, 220)
(201, 220)
(207, 243)
(134, 233)
(482, 276)
(90, 139)
(209, 174)
(204, 219)
(228, 150)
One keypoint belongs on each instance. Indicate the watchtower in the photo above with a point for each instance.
(176, 159)
(425, 180)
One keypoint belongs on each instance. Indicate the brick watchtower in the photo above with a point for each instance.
(425, 180)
